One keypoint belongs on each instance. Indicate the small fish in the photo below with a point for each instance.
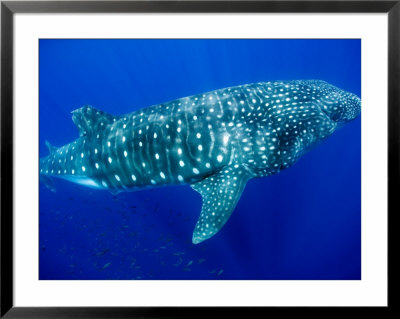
(201, 260)
(106, 265)
(133, 234)
(178, 253)
(186, 269)
(220, 272)
(189, 263)
(103, 252)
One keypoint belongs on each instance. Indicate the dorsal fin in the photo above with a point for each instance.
(50, 147)
(88, 119)
(220, 193)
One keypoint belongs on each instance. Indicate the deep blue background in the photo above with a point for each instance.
(303, 223)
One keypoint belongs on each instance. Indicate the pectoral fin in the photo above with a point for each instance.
(220, 193)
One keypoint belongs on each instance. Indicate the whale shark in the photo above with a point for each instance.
(215, 142)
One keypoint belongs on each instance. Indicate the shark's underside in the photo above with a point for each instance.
(214, 141)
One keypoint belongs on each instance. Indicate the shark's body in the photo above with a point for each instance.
(214, 141)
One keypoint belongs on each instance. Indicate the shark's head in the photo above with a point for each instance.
(339, 105)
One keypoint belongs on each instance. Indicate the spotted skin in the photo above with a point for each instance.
(214, 141)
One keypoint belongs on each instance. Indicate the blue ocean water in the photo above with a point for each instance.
(301, 224)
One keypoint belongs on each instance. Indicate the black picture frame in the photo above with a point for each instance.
(9, 8)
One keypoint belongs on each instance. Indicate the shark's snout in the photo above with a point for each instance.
(342, 106)
(339, 105)
(352, 106)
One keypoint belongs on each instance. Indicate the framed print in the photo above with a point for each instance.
(161, 158)
(189, 141)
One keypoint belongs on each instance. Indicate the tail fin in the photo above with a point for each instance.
(48, 182)
(43, 178)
